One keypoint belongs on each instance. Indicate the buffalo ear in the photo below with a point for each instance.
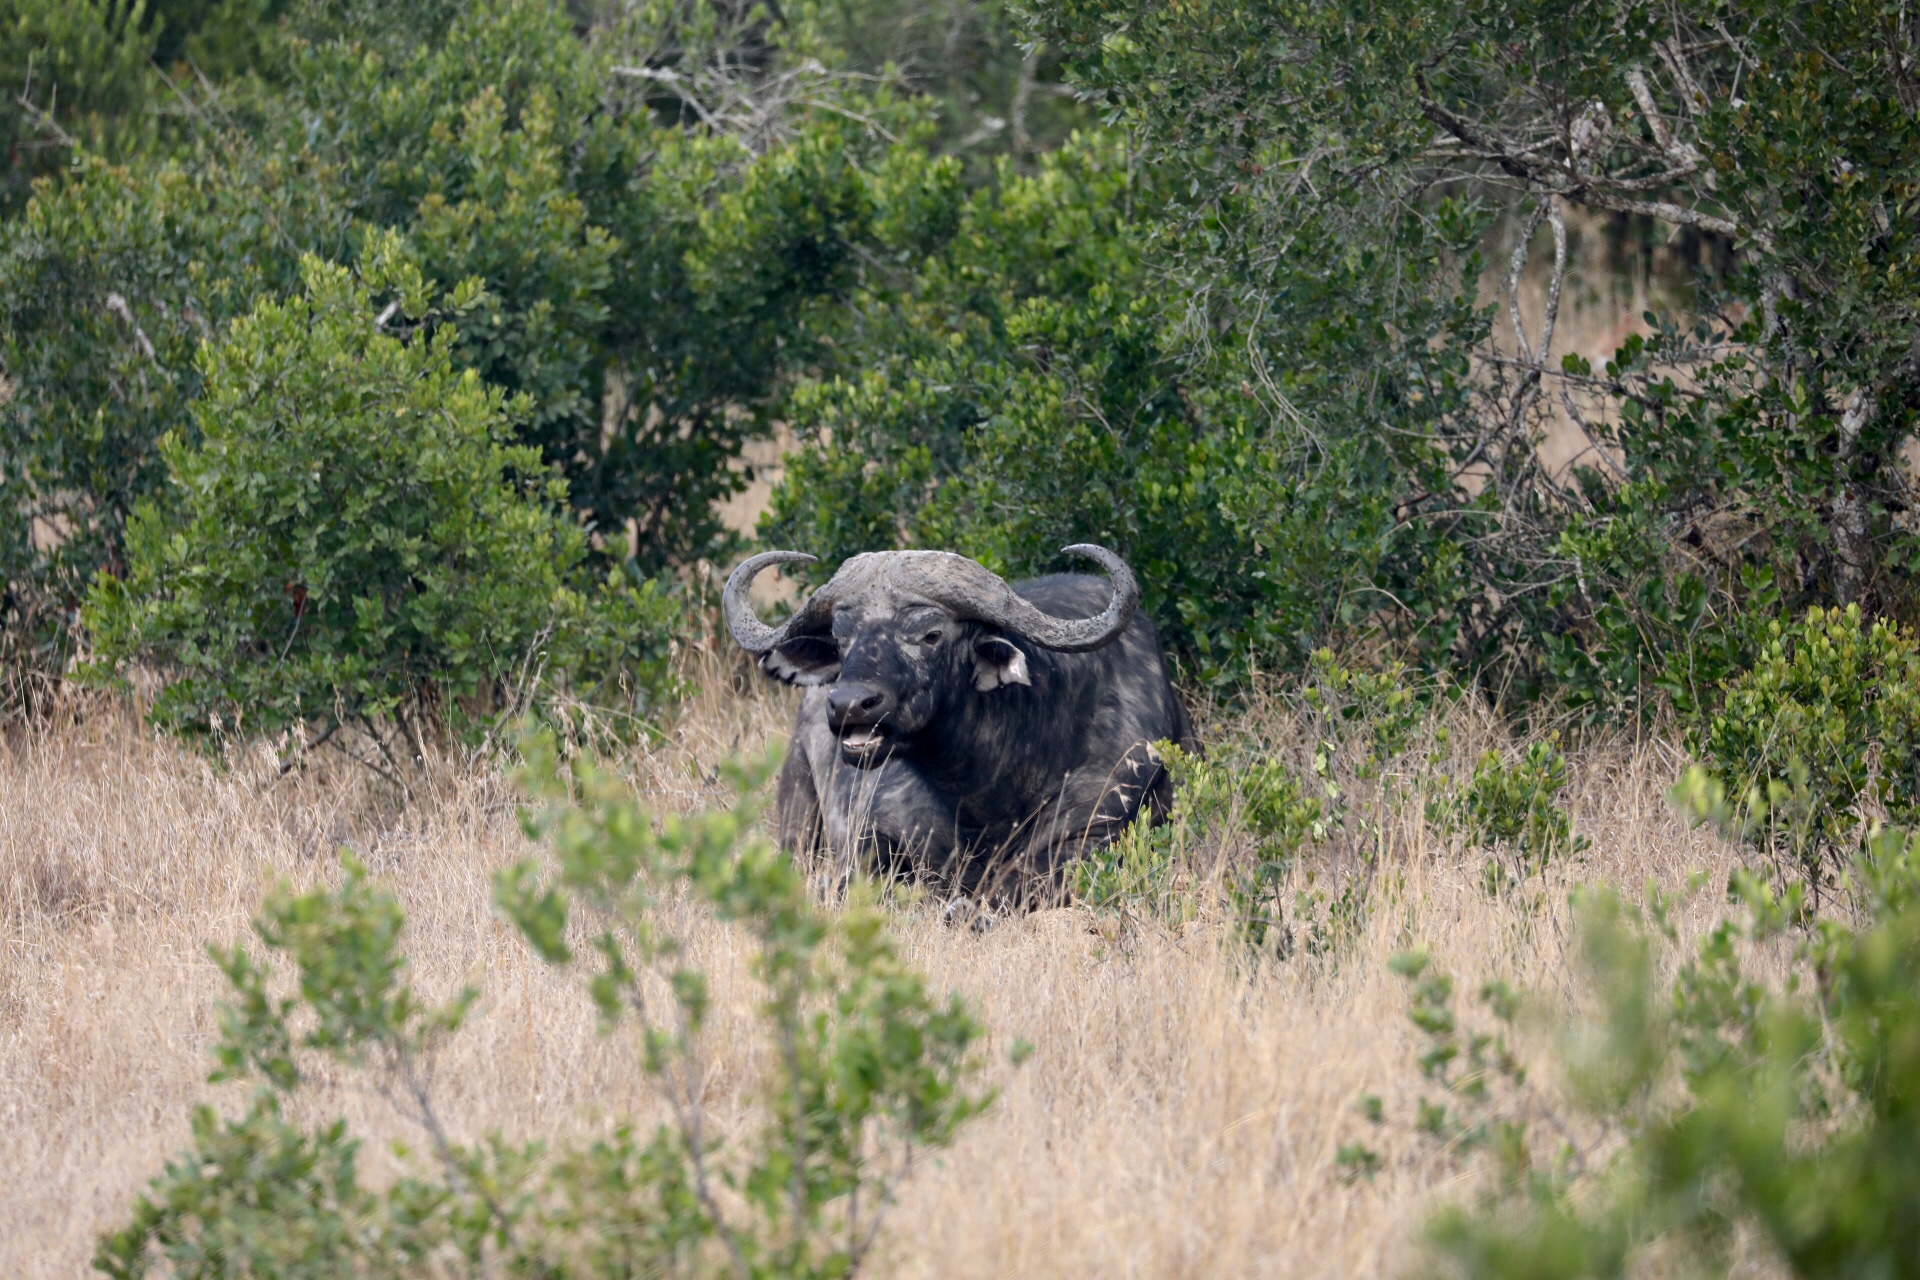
(803, 660)
(999, 661)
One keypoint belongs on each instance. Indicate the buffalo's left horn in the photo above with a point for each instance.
(977, 592)
(743, 624)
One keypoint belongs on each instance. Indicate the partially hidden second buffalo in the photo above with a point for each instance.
(962, 730)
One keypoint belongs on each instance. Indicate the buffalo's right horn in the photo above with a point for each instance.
(743, 624)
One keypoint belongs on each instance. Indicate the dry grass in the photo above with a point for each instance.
(1179, 1118)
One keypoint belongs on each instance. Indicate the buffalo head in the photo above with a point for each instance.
(899, 635)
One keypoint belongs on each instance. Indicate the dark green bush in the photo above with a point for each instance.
(351, 542)
(503, 146)
(1746, 447)
(1235, 330)
(1247, 809)
(648, 280)
(73, 73)
(1030, 383)
(109, 283)
(1251, 352)
(1236, 811)
(1512, 810)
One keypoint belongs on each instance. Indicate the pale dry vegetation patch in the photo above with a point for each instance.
(1179, 1117)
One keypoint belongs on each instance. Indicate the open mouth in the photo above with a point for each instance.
(863, 740)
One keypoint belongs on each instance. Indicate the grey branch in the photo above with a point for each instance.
(118, 306)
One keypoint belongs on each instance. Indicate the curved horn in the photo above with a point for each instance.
(984, 595)
(743, 624)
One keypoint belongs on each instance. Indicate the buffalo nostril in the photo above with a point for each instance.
(857, 704)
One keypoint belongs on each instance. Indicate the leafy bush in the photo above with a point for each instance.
(1021, 380)
(502, 145)
(1245, 811)
(868, 1071)
(1279, 819)
(109, 283)
(1471, 1066)
(1234, 809)
(1236, 332)
(1820, 735)
(1512, 809)
(872, 1068)
(1789, 1109)
(351, 542)
(1746, 446)
(258, 1195)
(1362, 716)
(1144, 873)
(648, 280)
(73, 73)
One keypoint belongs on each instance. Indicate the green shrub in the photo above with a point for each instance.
(1245, 810)
(500, 209)
(1820, 732)
(260, 1196)
(1473, 1066)
(109, 283)
(73, 73)
(1790, 1111)
(1264, 799)
(1020, 382)
(867, 1071)
(1513, 810)
(654, 274)
(1234, 804)
(872, 1068)
(1364, 717)
(498, 140)
(1748, 443)
(649, 282)
(351, 541)
(1147, 872)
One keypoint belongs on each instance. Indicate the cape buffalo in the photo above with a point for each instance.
(960, 729)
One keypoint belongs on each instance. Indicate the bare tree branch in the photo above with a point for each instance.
(117, 304)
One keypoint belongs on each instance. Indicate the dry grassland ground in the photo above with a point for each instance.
(1179, 1117)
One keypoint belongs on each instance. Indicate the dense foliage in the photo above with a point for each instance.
(495, 152)
(1748, 448)
(1029, 386)
(111, 281)
(1101, 350)
(1236, 325)
(350, 538)
(644, 278)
